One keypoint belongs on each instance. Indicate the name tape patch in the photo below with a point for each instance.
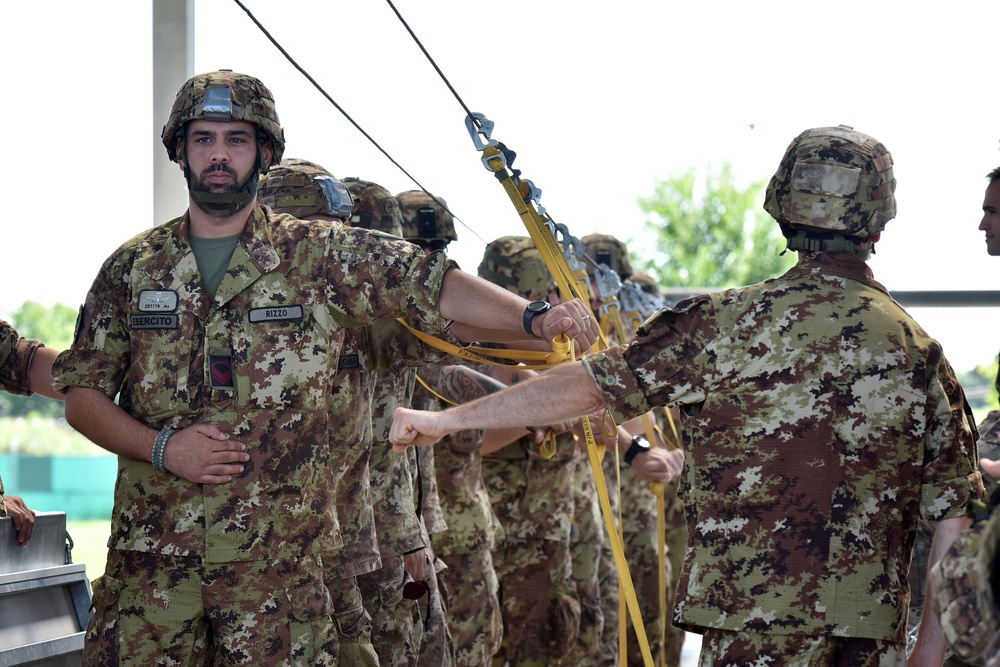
(276, 313)
(155, 321)
(347, 362)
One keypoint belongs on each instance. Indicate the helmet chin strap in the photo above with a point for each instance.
(820, 242)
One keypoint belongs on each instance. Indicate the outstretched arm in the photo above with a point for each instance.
(40, 373)
(557, 395)
(487, 312)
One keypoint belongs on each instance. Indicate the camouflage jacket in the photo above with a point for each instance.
(425, 483)
(15, 360)
(351, 428)
(395, 350)
(472, 526)
(149, 330)
(531, 495)
(824, 423)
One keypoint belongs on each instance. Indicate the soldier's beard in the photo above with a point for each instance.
(222, 201)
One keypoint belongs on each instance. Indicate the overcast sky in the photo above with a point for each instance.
(599, 100)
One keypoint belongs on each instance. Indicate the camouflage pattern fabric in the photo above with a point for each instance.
(964, 588)
(533, 499)
(640, 537)
(807, 462)
(394, 618)
(676, 541)
(721, 647)
(425, 217)
(427, 497)
(354, 627)
(609, 251)
(350, 398)
(15, 360)
(148, 609)
(394, 351)
(469, 585)
(469, 588)
(541, 614)
(437, 647)
(586, 538)
(246, 99)
(607, 575)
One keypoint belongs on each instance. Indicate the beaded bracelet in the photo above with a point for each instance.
(159, 447)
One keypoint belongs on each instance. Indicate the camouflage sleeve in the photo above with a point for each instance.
(15, 360)
(950, 478)
(662, 365)
(99, 356)
(392, 343)
(408, 282)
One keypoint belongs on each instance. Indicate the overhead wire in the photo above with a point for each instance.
(322, 91)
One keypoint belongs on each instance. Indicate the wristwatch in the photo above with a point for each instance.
(532, 309)
(638, 446)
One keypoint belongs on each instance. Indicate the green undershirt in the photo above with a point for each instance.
(213, 257)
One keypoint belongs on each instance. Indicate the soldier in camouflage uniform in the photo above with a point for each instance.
(469, 585)
(533, 498)
(675, 526)
(989, 429)
(428, 223)
(965, 585)
(307, 191)
(637, 503)
(824, 424)
(25, 368)
(221, 332)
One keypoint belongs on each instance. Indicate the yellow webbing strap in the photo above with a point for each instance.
(529, 358)
(433, 393)
(656, 488)
(571, 283)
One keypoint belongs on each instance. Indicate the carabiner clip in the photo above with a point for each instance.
(482, 131)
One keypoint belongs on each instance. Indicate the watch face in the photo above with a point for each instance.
(538, 306)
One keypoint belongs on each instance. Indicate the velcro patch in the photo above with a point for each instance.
(276, 313)
(347, 362)
(142, 321)
(220, 368)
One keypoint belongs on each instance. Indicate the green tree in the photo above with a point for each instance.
(54, 327)
(712, 233)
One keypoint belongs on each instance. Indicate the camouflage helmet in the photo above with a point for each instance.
(374, 207)
(963, 590)
(225, 96)
(609, 251)
(646, 282)
(304, 189)
(833, 180)
(514, 263)
(424, 218)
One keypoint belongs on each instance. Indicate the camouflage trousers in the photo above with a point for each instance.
(606, 654)
(676, 541)
(586, 536)
(437, 649)
(469, 587)
(151, 609)
(641, 544)
(393, 616)
(739, 649)
(354, 627)
(541, 614)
